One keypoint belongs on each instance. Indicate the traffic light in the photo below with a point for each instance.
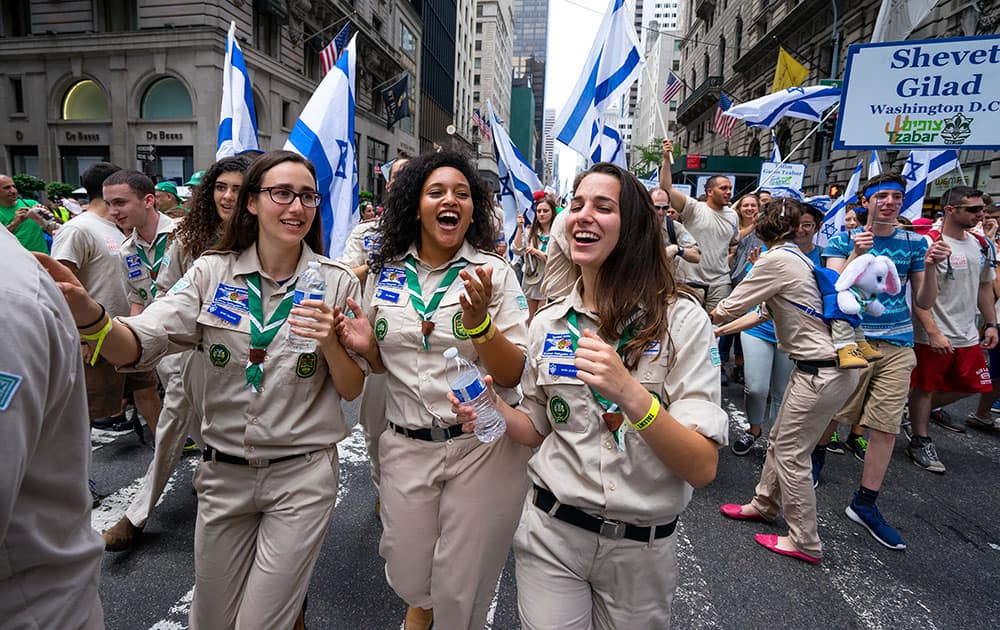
(829, 126)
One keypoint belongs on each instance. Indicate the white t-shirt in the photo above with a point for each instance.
(92, 243)
(714, 230)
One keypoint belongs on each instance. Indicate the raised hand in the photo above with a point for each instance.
(478, 289)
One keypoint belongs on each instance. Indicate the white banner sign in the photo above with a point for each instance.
(778, 174)
(930, 94)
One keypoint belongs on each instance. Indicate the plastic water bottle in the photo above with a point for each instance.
(309, 286)
(467, 384)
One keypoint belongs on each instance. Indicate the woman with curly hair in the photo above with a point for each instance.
(449, 502)
(533, 250)
(212, 207)
(622, 401)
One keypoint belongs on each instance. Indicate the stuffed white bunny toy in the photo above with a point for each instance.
(857, 294)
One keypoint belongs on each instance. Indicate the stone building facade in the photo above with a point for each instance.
(732, 46)
(90, 80)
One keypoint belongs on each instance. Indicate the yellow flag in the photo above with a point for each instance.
(789, 73)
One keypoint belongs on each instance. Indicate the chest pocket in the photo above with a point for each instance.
(224, 340)
(570, 406)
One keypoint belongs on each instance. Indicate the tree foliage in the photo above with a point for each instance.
(58, 190)
(28, 185)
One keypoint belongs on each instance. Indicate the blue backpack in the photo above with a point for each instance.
(826, 279)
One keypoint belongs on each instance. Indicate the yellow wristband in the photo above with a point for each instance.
(481, 328)
(654, 410)
(99, 338)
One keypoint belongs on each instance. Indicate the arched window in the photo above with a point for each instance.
(85, 100)
(722, 56)
(166, 98)
(754, 148)
(739, 35)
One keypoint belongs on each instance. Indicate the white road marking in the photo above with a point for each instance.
(99, 437)
(692, 588)
(177, 616)
(114, 506)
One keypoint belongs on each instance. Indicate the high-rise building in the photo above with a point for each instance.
(548, 147)
(437, 71)
(531, 25)
(491, 78)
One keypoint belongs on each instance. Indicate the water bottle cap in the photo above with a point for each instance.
(451, 353)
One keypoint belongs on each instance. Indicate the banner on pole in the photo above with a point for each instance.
(788, 174)
(928, 94)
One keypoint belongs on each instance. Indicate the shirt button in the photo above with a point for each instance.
(611, 486)
(253, 420)
(251, 449)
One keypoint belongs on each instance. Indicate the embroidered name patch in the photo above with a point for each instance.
(224, 314)
(653, 348)
(179, 286)
(558, 345)
(232, 297)
(562, 369)
(387, 295)
(134, 265)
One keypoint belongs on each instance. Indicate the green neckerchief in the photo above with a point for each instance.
(426, 312)
(159, 247)
(574, 335)
(261, 336)
(544, 242)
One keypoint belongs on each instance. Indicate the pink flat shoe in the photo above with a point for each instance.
(735, 512)
(770, 542)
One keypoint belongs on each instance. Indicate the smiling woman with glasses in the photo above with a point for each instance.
(271, 416)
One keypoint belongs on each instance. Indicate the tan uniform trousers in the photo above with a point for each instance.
(372, 419)
(258, 534)
(177, 421)
(786, 482)
(449, 510)
(715, 294)
(572, 579)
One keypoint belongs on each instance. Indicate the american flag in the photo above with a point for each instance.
(328, 56)
(484, 129)
(724, 124)
(673, 86)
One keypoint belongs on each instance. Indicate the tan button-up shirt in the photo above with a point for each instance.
(560, 272)
(50, 557)
(138, 284)
(782, 279)
(360, 243)
(297, 409)
(578, 461)
(418, 380)
(175, 265)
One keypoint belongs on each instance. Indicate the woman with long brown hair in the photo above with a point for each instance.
(622, 401)
(533, 250)
(271, 416)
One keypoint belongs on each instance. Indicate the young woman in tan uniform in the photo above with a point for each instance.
(211, 207)
(622, 400)
(533, 250)
(268, 485)
(449, 502)
(784, 280)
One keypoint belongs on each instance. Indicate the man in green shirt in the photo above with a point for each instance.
(15, 213)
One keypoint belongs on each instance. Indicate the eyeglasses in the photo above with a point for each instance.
(285, 197)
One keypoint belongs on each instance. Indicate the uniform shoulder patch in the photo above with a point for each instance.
(8, 387)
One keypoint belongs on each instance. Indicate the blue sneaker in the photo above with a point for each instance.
(818, 459)
(871, 519)
(996, 406)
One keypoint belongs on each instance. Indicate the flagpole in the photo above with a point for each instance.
(659, 112)
(961, 173)
(339, 22)
(784, 158)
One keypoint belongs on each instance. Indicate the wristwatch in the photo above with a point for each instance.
(990, 325)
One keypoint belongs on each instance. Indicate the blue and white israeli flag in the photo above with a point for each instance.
(615, 61)
(518, 180)
(833, 219)
(921, 168)
(807, 103)
(238, 118)
(324, 133)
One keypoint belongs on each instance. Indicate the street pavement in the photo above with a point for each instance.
(947, 578)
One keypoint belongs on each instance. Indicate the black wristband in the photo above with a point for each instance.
(96, 321)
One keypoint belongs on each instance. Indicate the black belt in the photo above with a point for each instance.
(545, 500)
(434, 434)
(213, 455)
(812, 367)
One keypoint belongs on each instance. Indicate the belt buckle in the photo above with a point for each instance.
(439, 434)
(258, 462)
(614, 530)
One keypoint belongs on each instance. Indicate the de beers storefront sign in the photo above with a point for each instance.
(938, 93)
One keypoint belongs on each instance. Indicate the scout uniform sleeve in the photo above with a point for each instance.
(354, 251)
(534, 401)
(692, 383)
(346, 285)
(684, 238)
(172, 269)
(560, 272)
(508, 306)
(765, 281)
(170, 324)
